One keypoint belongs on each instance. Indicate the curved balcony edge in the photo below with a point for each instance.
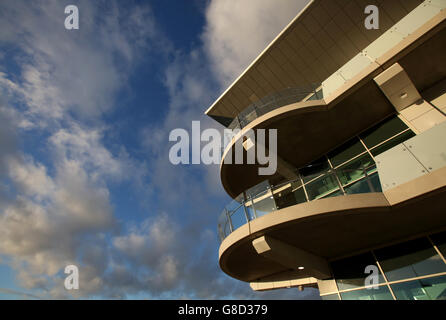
(335, 227)
(262, 122)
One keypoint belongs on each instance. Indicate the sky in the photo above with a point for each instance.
(85, 117)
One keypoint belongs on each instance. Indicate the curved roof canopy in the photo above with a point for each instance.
(323, 37)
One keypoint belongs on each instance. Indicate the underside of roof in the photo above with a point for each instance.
(323, 37)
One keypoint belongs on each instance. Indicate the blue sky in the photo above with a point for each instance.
(85, 117)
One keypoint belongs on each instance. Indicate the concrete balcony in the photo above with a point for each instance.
(283, 233)
(351, 99)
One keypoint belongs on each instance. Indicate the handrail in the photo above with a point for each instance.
(270, 194)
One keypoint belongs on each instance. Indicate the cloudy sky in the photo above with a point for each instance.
(85, 117)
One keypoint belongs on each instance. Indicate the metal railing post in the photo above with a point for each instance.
(253, 208)
(333, 171)
(244, 207)
(303, 187)
(368, 180)
(231, 227)
(270, 188)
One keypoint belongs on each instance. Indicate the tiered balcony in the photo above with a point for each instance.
(383, 185)
(350, 169)
(320, 182)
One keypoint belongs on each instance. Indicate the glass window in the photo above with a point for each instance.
(321, 187)
(392, 143)
(314, 169)
(369, 184)
(346, 152)
(299, 195)
(250, 210)
(333, 194)
(236, 214)
(247, 116)
(362, 186)
(258, 188)
(439, 240)
(350, 272)
(238, 217)
(330, 297)
(227, 229)
(423, 289)
(286, 99)
(317, 95)
(355, 169)
(235, 124)
(381, 293)
(410, 259)
(234, 204)
(264, 203)
(223, 228)
(383, 131)
(376, 182)
(224, 225)
(266, 107)
(291, 195)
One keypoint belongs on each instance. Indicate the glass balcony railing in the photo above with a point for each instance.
(274, 101)
(358, 176)
(348, 169)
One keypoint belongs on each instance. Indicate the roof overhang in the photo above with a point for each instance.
(322, 38)
(353, 107)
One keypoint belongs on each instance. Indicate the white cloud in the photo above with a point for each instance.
(85, 147)
(238, 31)
(150, 241)
(62, 212)
(154, 249)
(234, 34)
(22, 295)
(31, 178)
(45, 232)
(60, 208)
(75, 71)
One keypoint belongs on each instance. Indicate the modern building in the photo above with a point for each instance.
(360, 184)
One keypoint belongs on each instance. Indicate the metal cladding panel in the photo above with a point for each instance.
(415, 157)
(317, 43)
(429, 148)
(397, 166)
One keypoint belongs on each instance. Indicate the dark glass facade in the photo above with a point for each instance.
(412, 270)
(349, 169)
